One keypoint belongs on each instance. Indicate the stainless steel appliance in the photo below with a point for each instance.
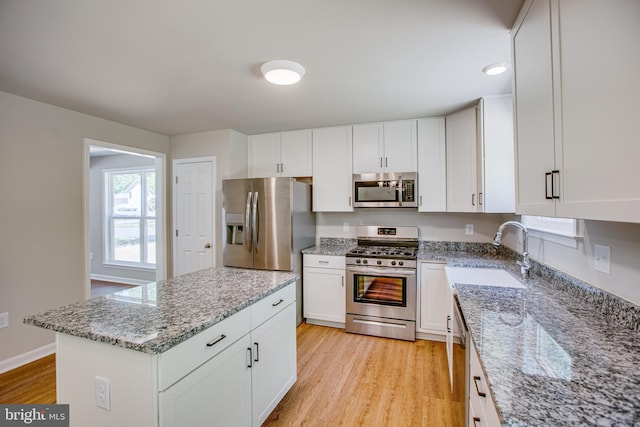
(267, 221)
(385, 190)
(381, 282)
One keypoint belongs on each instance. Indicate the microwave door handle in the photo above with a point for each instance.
(247, 224)
(400, 191)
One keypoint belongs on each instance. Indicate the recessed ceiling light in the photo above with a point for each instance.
(495, 69)
(282, 72)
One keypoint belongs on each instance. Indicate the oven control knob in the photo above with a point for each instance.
(364, 261)
(393, 263)
(400, 263)
(357, 261)
(379, 262)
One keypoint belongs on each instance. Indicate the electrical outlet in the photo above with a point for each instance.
(345, 227)
(468, 229)
(602, 258)
(4, 320)
(103, 393)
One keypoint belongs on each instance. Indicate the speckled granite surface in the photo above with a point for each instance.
(332, 246)
(551, 355)
(155, 317)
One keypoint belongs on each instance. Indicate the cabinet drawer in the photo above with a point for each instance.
(178, 361)
(483, 406)
(272, 304)
(324, 261)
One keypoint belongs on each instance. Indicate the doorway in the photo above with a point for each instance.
(124, 217)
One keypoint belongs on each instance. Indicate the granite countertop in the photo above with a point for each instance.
(555, 353)
(153, 318)
(332, 247)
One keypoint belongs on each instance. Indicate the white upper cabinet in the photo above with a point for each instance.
(576, 122)
(385, 147)
(281, 154)
(480, 157)
(462, 161)
(332, 173)
(432, 168)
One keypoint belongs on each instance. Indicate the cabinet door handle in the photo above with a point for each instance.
(420, 200)
(281, 167)
(386, 162)
(342, 281)
(475, 420)
(473, 199)
(216, 340)
(475, 381)
(553, 184)
(480, 201)
(380, 161)
(349, 200)
(275, 304)
(250, 362)
(448, 324)
(257, 347)
(546, 185)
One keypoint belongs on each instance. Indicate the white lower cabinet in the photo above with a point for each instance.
(323, 281)
(274, 369)
(434, 299)
(481, 410)
(199, 400)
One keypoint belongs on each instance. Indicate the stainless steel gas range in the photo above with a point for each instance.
(381, 282)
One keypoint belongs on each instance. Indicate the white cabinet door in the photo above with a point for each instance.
(264, 155)
(324, 294)
(296, 153)
(368, 148)
(462, 161)
(332, 165)
(217, 393)
(400, 146)
(534, 111)
(434, 298)
(274, 368)
(599, 147)
(432, 167)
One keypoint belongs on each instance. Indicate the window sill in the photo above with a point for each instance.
(128, 266)
(570, 241)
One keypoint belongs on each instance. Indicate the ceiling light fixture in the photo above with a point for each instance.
(282, 72)
(495, 69)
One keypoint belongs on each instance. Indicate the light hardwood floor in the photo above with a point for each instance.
(343, 380)
(357, 380)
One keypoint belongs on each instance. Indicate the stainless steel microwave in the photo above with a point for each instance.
(385, 190)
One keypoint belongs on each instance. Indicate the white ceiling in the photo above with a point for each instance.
(183, 66)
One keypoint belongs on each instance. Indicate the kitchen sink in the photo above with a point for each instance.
(482, 277)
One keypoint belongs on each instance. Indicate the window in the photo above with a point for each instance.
(564, 231)
(130, 220)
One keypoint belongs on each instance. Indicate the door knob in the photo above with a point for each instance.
(207, 246)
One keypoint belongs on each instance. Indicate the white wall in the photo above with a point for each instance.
(96, 217)
(231, 151)
(433, 226)
(622, 238)
(42, 209)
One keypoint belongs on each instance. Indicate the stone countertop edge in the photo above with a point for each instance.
(183, 307)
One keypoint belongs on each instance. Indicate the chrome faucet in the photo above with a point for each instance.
(524, 264)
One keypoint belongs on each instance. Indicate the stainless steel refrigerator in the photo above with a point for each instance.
(267, 222)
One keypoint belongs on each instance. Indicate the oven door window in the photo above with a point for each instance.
(383, 290)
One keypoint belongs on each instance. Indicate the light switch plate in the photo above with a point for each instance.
(4, 320)
(468, 229)
(602, 258)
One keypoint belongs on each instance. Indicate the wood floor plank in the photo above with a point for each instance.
(32, 383)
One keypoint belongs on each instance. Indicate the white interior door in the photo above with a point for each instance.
(194, 199)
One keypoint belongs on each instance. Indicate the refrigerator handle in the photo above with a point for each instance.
(255, 218)
(247, 224)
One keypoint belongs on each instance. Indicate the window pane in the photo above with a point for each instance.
(127, 191)
(151, 194)
(151, 241)
(126, 234)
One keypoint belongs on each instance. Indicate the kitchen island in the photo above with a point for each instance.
(214, 344)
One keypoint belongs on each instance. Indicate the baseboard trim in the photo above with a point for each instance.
(28, 357)
(116, 279)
